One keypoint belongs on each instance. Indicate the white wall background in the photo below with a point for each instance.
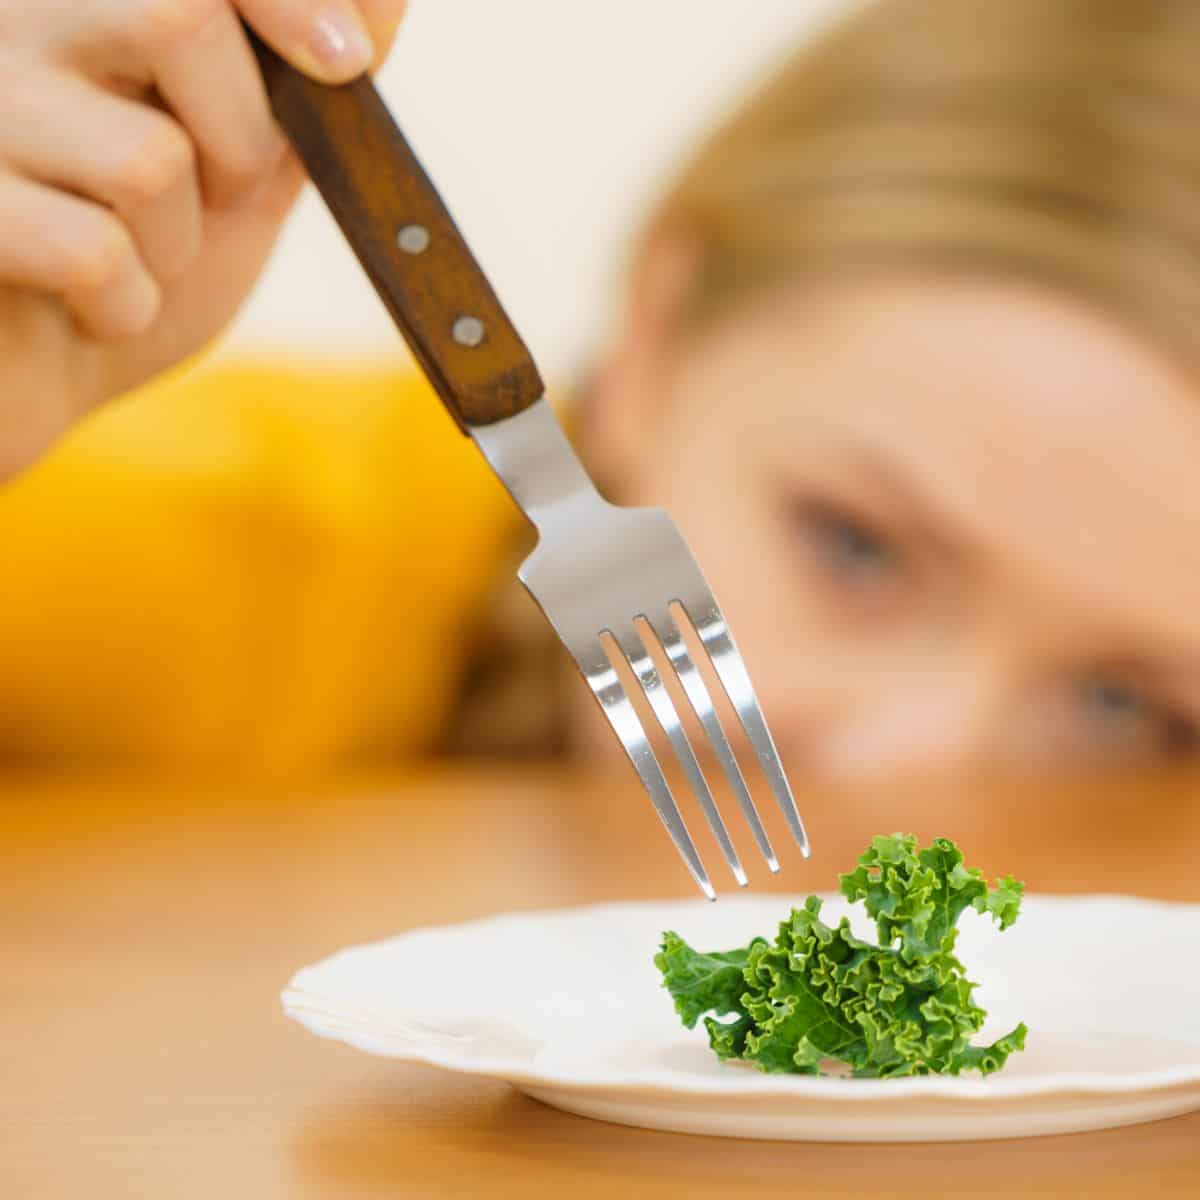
(548, 126)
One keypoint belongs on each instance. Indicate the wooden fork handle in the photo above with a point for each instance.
(406, 240)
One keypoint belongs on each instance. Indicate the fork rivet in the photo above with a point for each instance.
(468, 331)
(413, 239)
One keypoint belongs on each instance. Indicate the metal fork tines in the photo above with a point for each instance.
(625, 577)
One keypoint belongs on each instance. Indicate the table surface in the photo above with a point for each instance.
(147, 931)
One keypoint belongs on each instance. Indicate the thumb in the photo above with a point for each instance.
(383, 18)
(331, 43)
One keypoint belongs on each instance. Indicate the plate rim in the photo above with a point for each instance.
(304, 1007)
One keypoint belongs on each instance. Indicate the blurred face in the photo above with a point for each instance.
(949, 521)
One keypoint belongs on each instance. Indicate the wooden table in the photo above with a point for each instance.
(146, 932)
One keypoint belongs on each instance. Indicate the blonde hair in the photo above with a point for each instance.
(1054, 140)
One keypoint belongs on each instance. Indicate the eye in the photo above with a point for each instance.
(1108, 699)
(848, 547)
(1121, 712)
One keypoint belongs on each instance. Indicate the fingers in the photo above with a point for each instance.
(120, 150)
(234, 131)
(240, 239)
(211, 82)
(327, 39)
(57, 243)
(129, 157)
(383, 19)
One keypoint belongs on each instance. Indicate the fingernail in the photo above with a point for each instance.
(341, 43)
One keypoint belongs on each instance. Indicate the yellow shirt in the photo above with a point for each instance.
(248, 569)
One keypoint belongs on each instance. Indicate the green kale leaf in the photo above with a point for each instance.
(902, 1006)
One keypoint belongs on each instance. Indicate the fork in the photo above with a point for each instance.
(613, 582)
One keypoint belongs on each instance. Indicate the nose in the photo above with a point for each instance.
(926, 721)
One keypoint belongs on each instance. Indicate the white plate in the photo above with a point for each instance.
(568, 1007)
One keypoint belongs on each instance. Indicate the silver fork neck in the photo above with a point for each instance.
(533, 459)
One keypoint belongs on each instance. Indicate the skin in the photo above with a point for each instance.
(142, 185)
(954, 522)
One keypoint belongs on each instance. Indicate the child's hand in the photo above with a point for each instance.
(142, 183)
